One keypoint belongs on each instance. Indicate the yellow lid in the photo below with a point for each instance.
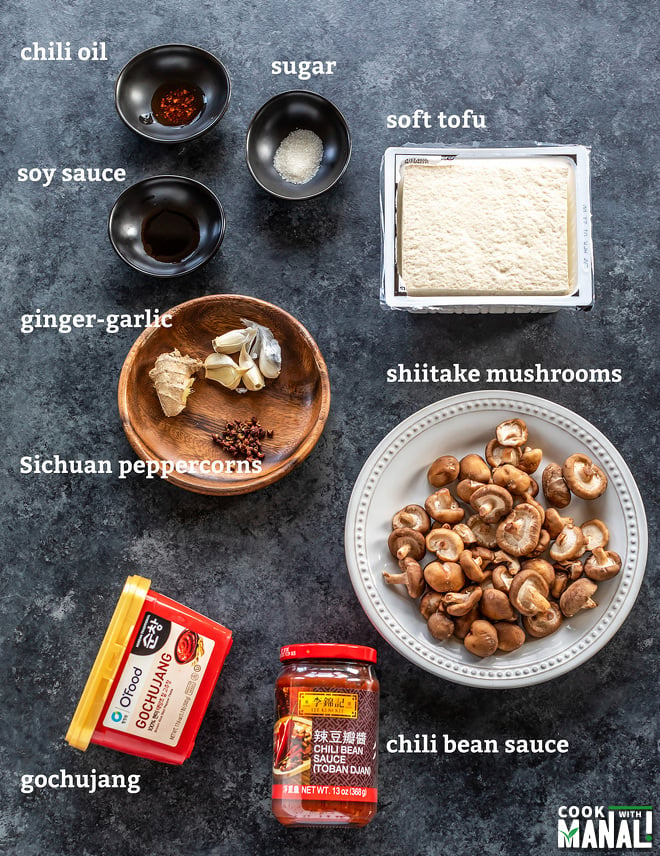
(107, 662)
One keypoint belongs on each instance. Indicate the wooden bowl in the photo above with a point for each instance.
(294, 406)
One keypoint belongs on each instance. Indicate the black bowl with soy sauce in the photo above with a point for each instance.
(172, 93)
(166, 225)
(297, 110)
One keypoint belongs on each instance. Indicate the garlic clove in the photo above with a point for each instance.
(222, 369)
(268, 349)
(270, 361)
(233, 341)
(252, 377)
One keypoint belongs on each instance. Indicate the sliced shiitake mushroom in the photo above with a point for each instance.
(584, 478)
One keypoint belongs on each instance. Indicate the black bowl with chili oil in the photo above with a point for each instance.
(167, 225)
(172, 93)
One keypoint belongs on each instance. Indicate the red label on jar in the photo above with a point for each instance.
(325, 745)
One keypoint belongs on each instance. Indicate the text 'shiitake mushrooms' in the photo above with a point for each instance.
(443, 471)
(583, 477)
(578, 596)
(412, 517)
(555, 489)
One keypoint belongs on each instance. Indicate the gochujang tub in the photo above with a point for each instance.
(152, 679)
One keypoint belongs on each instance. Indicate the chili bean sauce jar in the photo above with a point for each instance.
(325, 740)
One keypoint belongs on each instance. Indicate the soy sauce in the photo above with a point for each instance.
(170, 235)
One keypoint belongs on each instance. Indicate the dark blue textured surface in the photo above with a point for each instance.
(271, 565)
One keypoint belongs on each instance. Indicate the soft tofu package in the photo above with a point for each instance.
(486, 229)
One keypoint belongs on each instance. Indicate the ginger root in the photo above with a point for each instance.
(173, 377)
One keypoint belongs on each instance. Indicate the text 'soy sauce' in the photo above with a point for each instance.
(152, 679)
(325, 740)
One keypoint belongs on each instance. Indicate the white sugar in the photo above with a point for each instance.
(298, 156)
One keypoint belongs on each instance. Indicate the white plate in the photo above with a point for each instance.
(395, 475)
